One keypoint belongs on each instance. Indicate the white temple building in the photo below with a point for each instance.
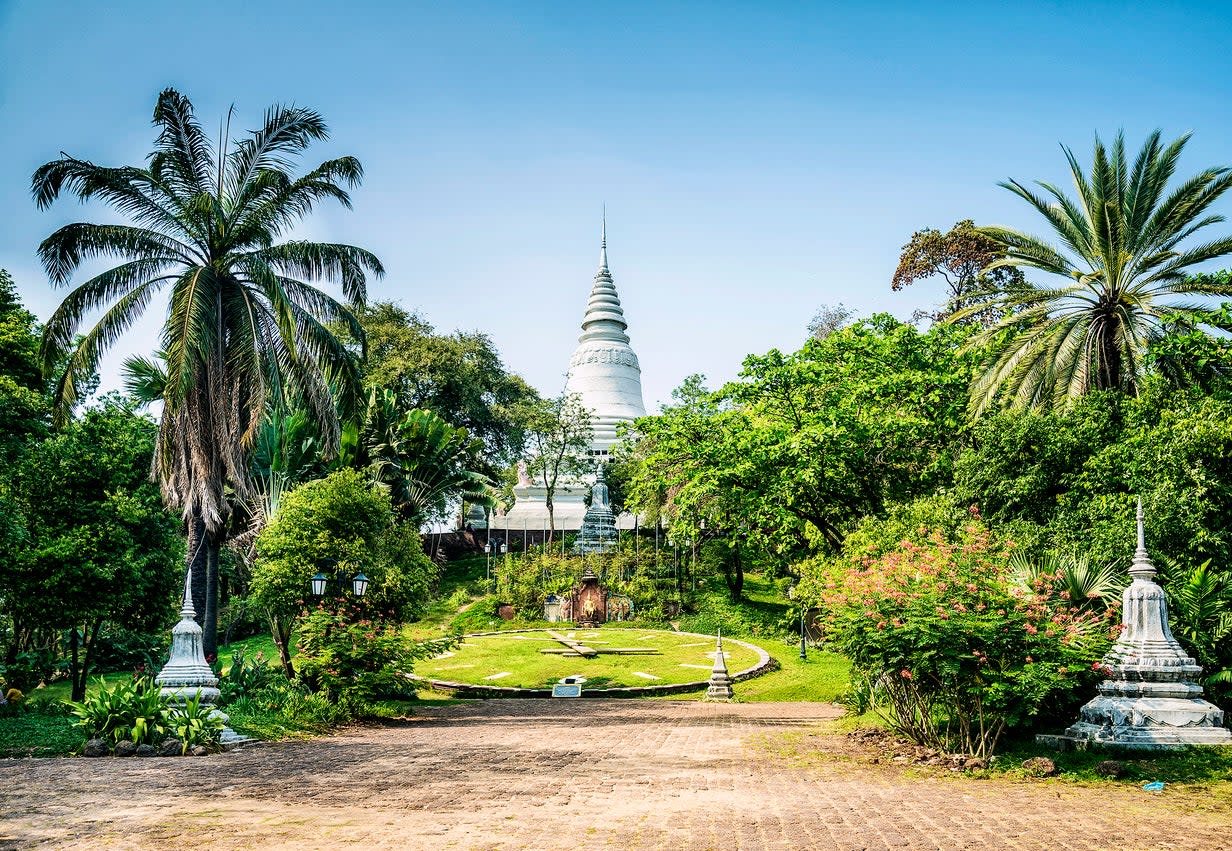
(604, 372)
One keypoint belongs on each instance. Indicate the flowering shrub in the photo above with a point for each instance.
(950, 650)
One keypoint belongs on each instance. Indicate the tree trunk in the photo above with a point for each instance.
(78, 687)
(733, 573)
(209, 624)
(551, 519)
(280, 629)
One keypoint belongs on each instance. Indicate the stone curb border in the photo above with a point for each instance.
(765, 664)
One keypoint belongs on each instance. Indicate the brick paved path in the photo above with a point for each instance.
(544, 774)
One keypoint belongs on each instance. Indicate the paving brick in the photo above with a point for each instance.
(542, 774)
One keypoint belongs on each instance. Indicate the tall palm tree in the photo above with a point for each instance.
(243, 322)
(1125, 269)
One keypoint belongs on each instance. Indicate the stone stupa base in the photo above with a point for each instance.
(1144, 723)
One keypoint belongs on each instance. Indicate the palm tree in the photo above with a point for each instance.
(243, 323)
(1124, 268)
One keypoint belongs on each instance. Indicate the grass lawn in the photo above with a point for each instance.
(513, 659)
(251, 647)
(38, 734)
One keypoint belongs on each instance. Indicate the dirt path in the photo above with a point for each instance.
(544, 774)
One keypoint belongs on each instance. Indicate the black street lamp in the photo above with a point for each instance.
(491, 547)
(358, 583)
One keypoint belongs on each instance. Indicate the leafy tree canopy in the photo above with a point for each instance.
(341, 517)
(459, 376)
(98, 547)
(961, 257)
(803, 445)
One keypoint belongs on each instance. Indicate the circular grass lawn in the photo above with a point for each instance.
(516, 660)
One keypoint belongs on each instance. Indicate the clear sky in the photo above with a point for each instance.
(757, 160)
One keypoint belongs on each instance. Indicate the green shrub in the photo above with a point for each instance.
(29, 669)
(134, 710)
(286, 709)
(195, 724)
(355, 660)
(246, 677)
(120, 649)
(946, 646)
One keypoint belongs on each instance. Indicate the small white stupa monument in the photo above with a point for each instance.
(1151, 701)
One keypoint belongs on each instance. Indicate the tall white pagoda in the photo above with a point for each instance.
(604, 372)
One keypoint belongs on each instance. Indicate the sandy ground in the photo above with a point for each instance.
(545, 774)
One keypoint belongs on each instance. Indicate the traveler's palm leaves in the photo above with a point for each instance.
(1073, 577)
(1200, 609)
(1123, 262)
(423, 461)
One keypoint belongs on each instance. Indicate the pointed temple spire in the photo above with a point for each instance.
(605, 318)
(1142, 566)
(603, 245)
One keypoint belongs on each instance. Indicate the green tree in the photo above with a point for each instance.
(559, 430)
(342, 518)
(23, 408)
(803, 445)
(422, 461)
(1124, 263)
(459, 376)
(243, 321)
(98, 547)
(960, 257)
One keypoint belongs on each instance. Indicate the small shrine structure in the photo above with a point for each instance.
(588, 601)
(720, 687)
(1151, 701)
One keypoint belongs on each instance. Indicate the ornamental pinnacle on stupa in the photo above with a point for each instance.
(1151, 701)
(720, 687)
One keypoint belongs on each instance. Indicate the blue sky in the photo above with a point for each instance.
(756, 160)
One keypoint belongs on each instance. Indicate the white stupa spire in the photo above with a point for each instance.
(604, 370)
(603, 245)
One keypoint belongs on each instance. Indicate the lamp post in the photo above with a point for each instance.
(357, 584)
(489, 548)
(792, 595)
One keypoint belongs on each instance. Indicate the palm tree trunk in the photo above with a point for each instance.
(209, 624)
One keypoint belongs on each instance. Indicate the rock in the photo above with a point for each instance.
(975, 764)
(1110, 768)
(1040, 766)
(146, 750)
(96, 747)
(171, 747)
(200, 750)
(125, 748)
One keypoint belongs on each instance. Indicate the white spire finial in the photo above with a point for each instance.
(187, 612)
(1142, 567)
(1141, 532)
(603, 242)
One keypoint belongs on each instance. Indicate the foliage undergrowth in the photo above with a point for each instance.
(138, 712)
